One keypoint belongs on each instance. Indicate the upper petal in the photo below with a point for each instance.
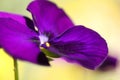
(20, 42)
(81, 45)
(19, 18)
(49, 19)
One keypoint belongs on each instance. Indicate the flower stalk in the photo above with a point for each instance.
(16, 75)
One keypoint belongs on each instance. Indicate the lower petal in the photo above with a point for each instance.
(80, 45)
(109, 64)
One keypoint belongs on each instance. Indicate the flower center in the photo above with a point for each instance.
(43, 39)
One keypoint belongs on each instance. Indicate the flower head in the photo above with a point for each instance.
(56, 33)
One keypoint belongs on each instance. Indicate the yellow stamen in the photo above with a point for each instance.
(41, 48)
(47, 44)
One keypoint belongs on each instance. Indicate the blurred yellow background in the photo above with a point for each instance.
(101, 15)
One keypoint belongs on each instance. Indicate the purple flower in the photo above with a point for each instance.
(56, 33)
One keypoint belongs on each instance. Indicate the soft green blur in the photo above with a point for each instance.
(100, 15)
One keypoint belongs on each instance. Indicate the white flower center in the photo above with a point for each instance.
(43, 39)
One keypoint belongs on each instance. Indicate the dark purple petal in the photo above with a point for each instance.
(81, 45)
(21, 19)
(109, 64)
(40, 0)
(42, 59)
(19, 41)
(49, 19)
(29, 23)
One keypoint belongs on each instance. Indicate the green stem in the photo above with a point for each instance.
(16, 69)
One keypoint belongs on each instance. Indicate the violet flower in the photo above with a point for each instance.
(56, 33)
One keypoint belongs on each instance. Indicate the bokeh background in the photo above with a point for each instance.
(101, 15)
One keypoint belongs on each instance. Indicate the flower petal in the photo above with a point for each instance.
(41, 0)
(109, 64)
(81, 45)
(49, 19)
(21, 19)
(20, 42)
